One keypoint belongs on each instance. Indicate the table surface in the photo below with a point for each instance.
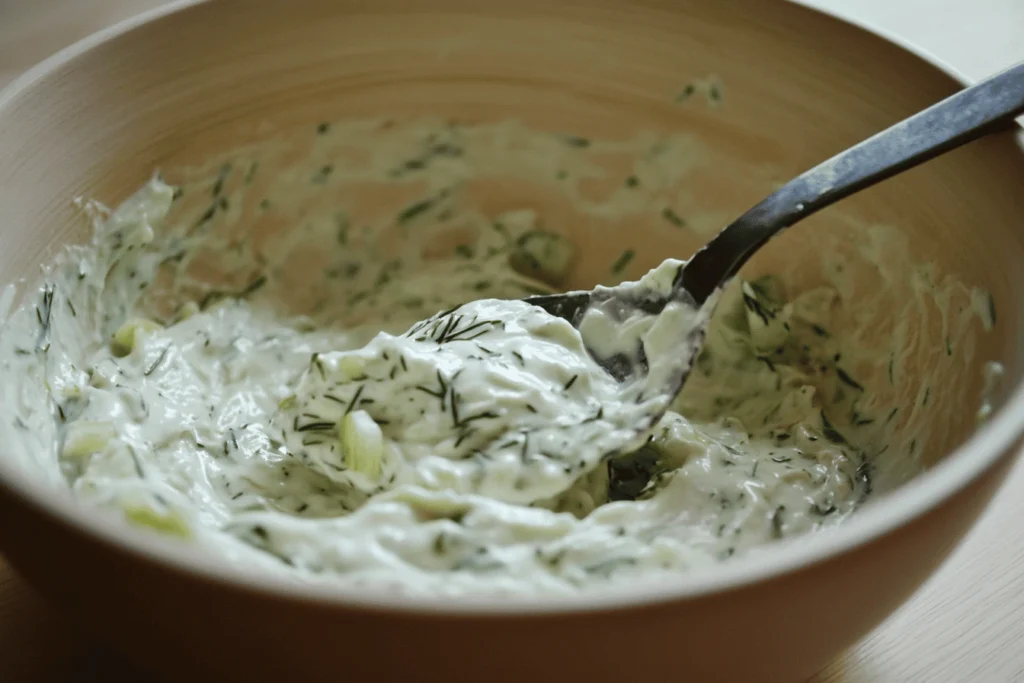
(966, 624)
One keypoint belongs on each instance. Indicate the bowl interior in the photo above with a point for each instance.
(708, 106)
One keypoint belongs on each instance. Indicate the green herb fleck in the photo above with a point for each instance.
(576, 141)
(777, 521)
(829, 430)
(686, 93)
(415, 209)
(441, 543)
(156, 363)
(355, 399)
(206, 217)
(44, 312)
(845, 378)
(218, 185)
(322, 174)
(673, 218)
(760, 310)
(608, 567)
(624, 258)
(342, 224)
(253, 287)
(251, 173)
(316, 426)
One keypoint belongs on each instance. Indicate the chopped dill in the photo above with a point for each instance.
(576, 141)
(415, 209)
(672, 217)
(623, 260)
(252, 287)
(251, 173)
(322, 174)
(686, 92)
(318, 426)
(355, 399)
(830, 432)
(777, 521)
(845, 378)
(156, 363)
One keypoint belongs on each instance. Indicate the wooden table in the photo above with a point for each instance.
(965, 625)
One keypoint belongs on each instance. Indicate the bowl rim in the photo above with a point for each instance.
(961, 467)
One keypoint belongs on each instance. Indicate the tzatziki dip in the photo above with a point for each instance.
(420, 429)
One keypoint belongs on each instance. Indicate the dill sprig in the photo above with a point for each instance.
(156, 363)
(44, 312)
(315, 426)
(355, 399)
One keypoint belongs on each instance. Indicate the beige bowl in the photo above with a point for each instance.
(182, 84)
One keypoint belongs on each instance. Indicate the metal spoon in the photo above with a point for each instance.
(692, 288)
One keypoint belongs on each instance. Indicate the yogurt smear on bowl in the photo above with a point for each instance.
(445, 440)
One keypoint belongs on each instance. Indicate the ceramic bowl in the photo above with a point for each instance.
(180, 86)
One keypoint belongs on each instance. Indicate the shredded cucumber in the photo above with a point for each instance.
(126, 335)
(85, 437)
(168, 522)
(362, 442)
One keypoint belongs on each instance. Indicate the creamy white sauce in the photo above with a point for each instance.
(480, 450)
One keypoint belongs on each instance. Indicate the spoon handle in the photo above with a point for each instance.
(963, 117)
